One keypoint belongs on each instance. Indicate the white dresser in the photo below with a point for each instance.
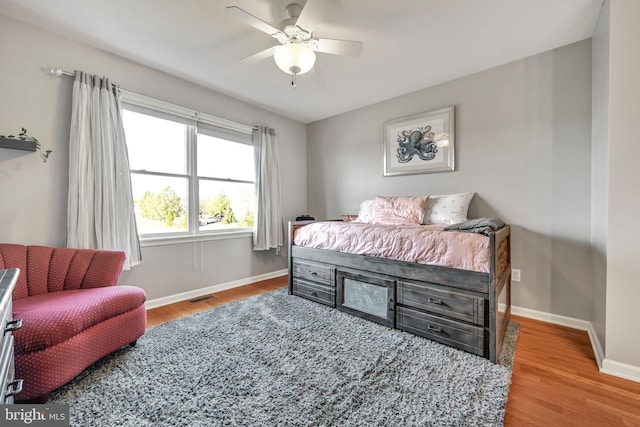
(10, 386)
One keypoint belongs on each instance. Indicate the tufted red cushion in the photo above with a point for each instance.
(56, 317)
(45, 269)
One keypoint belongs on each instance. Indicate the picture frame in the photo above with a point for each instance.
(420, 143)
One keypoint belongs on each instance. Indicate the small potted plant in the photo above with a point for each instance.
(25, 142)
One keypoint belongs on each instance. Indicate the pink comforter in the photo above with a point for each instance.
(423, 244)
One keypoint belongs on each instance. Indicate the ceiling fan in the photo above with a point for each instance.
(296, 53)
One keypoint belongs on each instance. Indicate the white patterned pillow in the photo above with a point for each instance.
(366, 211)
(447, 209)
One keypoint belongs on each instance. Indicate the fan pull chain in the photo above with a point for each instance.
(293, 81)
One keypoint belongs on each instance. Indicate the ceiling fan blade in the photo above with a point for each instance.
(313, 13)
(339, 47)
(244, 16)
(256, 57)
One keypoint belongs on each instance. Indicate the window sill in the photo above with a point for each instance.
(178, 240)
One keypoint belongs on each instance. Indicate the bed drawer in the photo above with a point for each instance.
(320, 273)
(468, 308)
(456, 334)
(313, 291)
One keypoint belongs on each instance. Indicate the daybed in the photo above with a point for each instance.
(72, 311)
(448, 302)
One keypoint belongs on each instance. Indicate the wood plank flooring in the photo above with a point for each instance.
(163, 314)
(555, 380)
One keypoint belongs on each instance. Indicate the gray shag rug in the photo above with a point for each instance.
(280, 360)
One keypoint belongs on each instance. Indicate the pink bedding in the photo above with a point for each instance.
(423, 244)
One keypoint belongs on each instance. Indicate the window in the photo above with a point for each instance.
(191, 173)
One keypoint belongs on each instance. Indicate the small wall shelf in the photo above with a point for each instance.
(17, 144)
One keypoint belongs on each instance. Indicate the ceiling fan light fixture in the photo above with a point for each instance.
(294, 58)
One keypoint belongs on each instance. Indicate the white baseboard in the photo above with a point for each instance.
(159, 302)
(556, 319)
(595, 344)
(619, 369)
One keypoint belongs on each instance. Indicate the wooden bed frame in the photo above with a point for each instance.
(464, 309)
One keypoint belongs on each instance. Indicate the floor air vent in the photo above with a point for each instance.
(200, 299)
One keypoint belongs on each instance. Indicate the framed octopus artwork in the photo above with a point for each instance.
(421, 143)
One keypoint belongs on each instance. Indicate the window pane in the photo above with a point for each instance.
(219, 158)
(155, 144)
(225, 205)
(161, 203)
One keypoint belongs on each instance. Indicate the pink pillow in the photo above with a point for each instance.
(399, 210)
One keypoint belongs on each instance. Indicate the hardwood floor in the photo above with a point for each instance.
(555, 380)
(159, 315)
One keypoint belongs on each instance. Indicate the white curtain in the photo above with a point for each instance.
(268, 226)
(100, 206)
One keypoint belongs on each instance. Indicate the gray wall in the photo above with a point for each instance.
(599, 171)
(523, 144)
(623, 251)
(34, 195)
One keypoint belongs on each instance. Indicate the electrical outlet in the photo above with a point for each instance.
(515, 275)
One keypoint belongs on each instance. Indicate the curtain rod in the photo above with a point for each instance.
(61, 72)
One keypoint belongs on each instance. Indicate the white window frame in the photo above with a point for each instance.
(159, 108)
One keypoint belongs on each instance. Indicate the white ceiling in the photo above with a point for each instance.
(408, 44)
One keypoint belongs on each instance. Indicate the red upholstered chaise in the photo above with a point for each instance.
(72, 310)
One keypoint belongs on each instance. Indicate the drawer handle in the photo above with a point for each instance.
(14, 387)
(434, 329)
(435, 301)
(314, 273)
(14, 325)
(312, 293)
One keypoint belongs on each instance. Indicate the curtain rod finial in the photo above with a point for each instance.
(48, 70)
(54, 71)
